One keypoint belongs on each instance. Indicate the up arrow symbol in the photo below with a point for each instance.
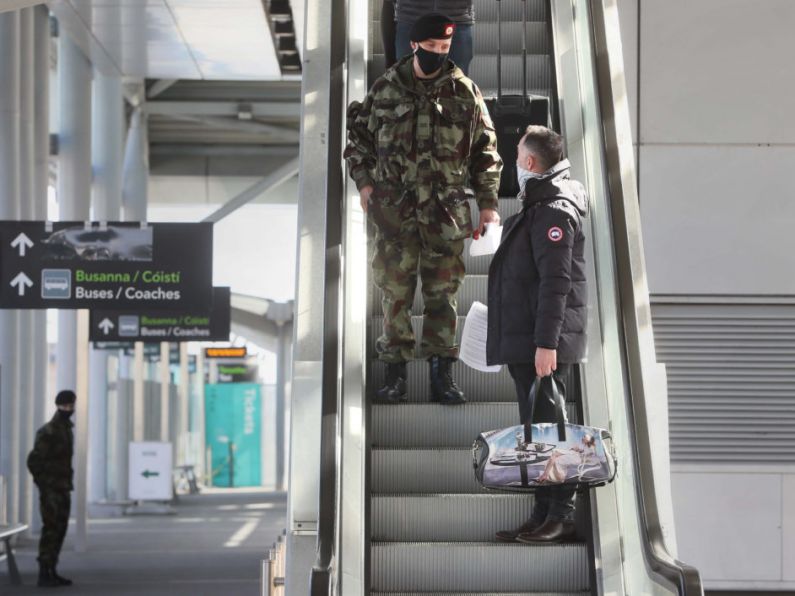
(22, 242)
(20, 282)
(106, 325)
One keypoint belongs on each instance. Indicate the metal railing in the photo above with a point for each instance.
(633, 292)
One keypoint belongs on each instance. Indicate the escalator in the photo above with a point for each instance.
(400, 512)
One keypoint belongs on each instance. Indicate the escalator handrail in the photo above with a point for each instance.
(322, 576)
(632, 287)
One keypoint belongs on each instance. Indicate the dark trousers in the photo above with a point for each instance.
(54, 506)
(461, 48)
(552, 502)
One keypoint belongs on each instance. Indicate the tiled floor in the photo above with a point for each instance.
(212, 546)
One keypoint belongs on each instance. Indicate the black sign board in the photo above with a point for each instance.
(71, 265)
(236, 372)
(165, 325)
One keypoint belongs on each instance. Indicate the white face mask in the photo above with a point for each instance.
(523, 176)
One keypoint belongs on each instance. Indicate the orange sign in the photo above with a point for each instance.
(225, 352)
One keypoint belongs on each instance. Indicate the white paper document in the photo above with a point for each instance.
(488, 243)
(473, 339)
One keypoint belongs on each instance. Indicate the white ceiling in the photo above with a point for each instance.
(173, 39)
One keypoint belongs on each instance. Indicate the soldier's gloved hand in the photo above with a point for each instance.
(364, 196)
(486, 216)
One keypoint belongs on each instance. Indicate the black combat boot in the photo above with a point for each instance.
(62, 581)
(47, 577)
(443, 388)
(394, 390)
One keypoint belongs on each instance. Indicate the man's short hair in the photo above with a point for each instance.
(545, 144)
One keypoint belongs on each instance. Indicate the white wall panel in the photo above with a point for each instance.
(628, 20)
(728, 525)
(718, 220)
(717, 71)
(788, 528)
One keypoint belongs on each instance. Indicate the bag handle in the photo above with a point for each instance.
(559, 402)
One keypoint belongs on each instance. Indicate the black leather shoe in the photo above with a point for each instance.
(62, 581)
(549, 531)
(510, 535)
(443, 388)
(47, 577)
(394, 390)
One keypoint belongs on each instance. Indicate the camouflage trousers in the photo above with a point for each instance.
(397, 260)
(54, 506)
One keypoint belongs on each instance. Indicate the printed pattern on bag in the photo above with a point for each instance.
(503, 459)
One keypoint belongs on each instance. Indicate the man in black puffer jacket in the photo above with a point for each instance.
(538, 301)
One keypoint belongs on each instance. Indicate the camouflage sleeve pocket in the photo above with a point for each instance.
(395, 129)
(454, 216)
(453, 127)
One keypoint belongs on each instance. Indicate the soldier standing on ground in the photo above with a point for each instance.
(417, 145)
(50, 463)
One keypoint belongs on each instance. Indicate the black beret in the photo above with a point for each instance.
(432, 26)
(65, 397)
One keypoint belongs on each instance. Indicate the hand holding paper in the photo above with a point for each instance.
(488, 243)
(473, 338)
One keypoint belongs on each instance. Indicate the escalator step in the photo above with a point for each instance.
(489, 593)
(438, 471)
(438, 518)
(436, 426)
(485, 35)
(455, 517)
(484, 567)
(539, 72)
(486, 11)
(477, 386)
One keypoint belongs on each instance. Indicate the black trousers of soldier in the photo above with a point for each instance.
(552, 502)
(54, 506)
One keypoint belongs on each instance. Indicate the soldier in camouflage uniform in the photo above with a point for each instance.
(50, 463)
(417, 144)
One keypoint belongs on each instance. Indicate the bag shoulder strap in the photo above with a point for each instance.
(559, 402)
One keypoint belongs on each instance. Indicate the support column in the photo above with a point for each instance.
(25, 349)
(41, 181)
(9, 209)
(74, 199)
(74, 178)
(184, 396)
(107, 159)
(165, 385)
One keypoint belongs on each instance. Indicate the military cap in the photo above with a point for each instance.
(432, 26)
(65, 397)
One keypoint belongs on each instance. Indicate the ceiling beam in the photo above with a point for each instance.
(220, 150)
(258, 109)
(6, 5)
(283, 133)
(279, 175)
(159, 87)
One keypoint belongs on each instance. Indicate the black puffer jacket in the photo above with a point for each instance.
(538, 294)
(461, 11)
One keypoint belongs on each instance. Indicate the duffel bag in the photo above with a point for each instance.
(527, 456)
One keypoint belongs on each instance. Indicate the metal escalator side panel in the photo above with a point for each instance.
(634, 291)
(631, 554)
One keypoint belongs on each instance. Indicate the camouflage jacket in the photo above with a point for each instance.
(50, 462)
(429, 138)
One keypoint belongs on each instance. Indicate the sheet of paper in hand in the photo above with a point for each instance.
(473, 339)
(488, 243)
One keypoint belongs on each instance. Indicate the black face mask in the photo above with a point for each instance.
(65, 414)
(430, 62)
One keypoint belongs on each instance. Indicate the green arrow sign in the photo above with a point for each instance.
(148, 474)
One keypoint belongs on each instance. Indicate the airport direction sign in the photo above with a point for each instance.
(71, 265)
(165, 325)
